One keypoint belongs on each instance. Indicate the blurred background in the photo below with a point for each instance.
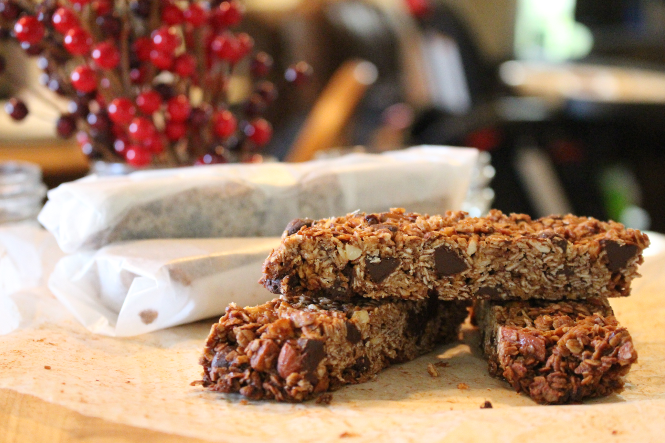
(567, 97)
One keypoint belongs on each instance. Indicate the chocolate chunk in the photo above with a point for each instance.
(297, 223)
(371, 219)
(486, 405)
(618, 255)
(219, 361)
(447, 262)
(148, 316)
(313, 353)
(361, 365)
(567, 271)
(488, 292)
(380, 270)
(352, 333)
(417, 321)
(560, 242)
(273, 285)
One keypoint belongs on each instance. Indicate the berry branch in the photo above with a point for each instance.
(148, 81)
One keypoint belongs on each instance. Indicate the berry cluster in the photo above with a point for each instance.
(148, 80)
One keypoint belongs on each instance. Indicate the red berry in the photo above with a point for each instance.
(184, 65)
(178, 108)
(65, 126)
(195, 15)
(246, 43)
(142, 48)
(226, 47)
(9, 10)
(120, 145)
(211, 159)
(149, 101)
(121, 111)
(298, 73)
(138, 75)
(77, 41)
(154, 144)
(64, 19)
(261, 65)
(165, 39)
(28, 29)
(99, 121)
(227, 14)
(138, 156)
(175, 130)
(419, 8)
(162, 60)
(259, 131)
(102, 7)
(198, 117)
(172, 15)
(141, 128)
(16, 109)
(224, 123)
(106, 55)
(84, 79)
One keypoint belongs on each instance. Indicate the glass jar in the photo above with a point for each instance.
(21, 191)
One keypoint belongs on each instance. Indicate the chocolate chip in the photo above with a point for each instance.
(380, 270)
(219, 361)
(488, 292)
(447, 262)
(618, 255)
(148, 316)
(417, 321)
(486, 405)
(567, 271)
(371, 219)
(561, 242)
(297, 223)
(273, 285)
(353, 333)
(313, 353)
(361, 365)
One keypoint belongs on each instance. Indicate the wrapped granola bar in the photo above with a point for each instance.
(137, 287)
(252, 200)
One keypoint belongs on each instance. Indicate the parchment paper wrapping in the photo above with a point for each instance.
(137, 287)
(144, 382)
(252, 200)
(28, 254)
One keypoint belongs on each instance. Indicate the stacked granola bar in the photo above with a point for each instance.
(362, 291)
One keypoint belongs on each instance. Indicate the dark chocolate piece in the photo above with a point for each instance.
(448, 262)
(380, 270)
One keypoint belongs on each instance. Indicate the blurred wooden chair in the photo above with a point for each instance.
(333, 109)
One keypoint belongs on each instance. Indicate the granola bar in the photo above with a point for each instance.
(293, 350)
(399, 254)
(556, 352)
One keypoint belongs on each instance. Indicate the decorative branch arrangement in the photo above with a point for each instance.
(148, 81)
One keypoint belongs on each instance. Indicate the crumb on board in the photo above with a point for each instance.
(432, 370)
(47, 367)
(347, 434)
(486, 405)
(324, 399)
(442, 364)
(462, 386)
(243, 402)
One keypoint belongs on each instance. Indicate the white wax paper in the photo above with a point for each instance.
(137, 287)
(253, 200)
(28, 254)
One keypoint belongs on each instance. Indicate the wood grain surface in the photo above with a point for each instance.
(27, 419)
